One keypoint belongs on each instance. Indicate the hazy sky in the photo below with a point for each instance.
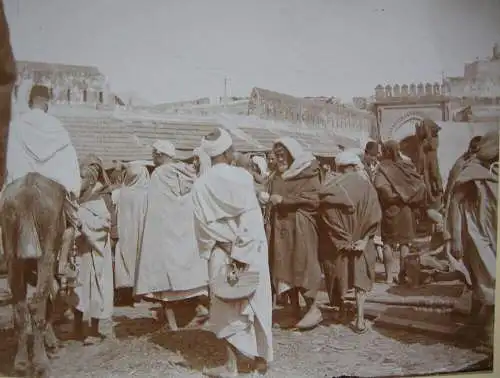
(169, 50)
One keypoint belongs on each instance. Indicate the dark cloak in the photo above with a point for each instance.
(294, 230)
(349, 211)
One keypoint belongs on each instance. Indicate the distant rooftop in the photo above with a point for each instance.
(313, 105)
(69, 68)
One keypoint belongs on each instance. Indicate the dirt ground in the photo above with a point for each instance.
(143, 347)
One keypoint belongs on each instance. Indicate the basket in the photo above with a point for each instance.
(235, 284)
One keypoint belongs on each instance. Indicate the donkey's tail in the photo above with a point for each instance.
(29, 246)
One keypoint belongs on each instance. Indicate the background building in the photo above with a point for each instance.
(473, 97)
(70, 84)
(311, 113)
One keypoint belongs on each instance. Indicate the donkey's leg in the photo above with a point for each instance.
(38, 310)
(51, 341)
(18, 287)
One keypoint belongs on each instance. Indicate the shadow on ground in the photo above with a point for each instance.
(7, 351)
(430, 290)
(196, 349)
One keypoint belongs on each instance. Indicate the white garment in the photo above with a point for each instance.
(96, 268)
(131, 205)
(225, 207)
(169, 265)
(38, 142)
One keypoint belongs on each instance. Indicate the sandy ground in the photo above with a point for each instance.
(143, 347)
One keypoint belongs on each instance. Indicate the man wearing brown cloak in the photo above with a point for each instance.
(400, 189)
(294, 236)
(351, 214)
(472, 223)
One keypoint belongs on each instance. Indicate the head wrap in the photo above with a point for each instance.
(218, 146)
(165, 147)
(346, 158)
(371, 148)
(473, 144)
(390, 150)
(94, 164)
(136, 176)
(302, 159)
(294, 148)
(487, 148)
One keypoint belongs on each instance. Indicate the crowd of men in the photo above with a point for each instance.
(276, 226)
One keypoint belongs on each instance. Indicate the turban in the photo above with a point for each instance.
(347, 158)
(165, 147)
(487, 148)
(218, 146)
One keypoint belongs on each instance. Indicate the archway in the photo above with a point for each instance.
(405, 125)
(404, 133)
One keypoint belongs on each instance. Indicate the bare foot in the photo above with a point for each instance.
(311, 319)
(201, 311)
(260, 365)
(93, 340)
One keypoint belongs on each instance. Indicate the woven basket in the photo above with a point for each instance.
(235, 284)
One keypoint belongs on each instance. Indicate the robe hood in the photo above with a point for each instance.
(41, 134)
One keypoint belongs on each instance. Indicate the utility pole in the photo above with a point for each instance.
(224, 99)
(227, 89)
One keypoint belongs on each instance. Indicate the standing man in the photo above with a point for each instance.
(295, 236)
(370, 158)
(351, 214)
(230, 230)
(169, 266)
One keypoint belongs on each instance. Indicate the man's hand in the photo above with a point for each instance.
(359, 245)
(239, 265)
(276, 199)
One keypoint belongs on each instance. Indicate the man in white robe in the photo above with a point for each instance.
(169, 266)
(226, 211)
(95, 274)
(38, 142)
(131, 206)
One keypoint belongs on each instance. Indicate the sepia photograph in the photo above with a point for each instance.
(265, 188)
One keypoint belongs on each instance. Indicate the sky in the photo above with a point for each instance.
(175, 50)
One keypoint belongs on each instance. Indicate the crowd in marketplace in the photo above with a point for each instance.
(238, 233)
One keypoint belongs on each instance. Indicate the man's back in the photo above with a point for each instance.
(38, 142)
(230, 191)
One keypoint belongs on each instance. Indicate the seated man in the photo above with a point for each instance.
(38, 142)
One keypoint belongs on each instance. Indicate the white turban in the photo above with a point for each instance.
(165, 147)
(217, 147)
(347, 158)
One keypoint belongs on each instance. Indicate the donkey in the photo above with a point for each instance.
(33, 223)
